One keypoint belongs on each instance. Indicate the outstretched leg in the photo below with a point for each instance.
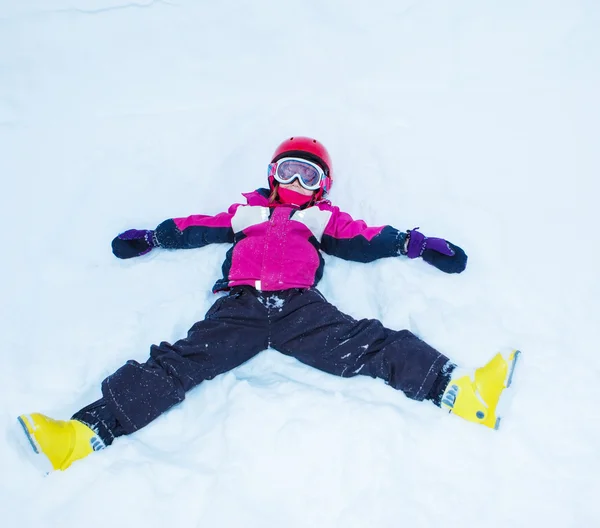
(310, 329)
(315, 332)
(234, 330)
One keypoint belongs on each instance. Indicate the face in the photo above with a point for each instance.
(296, 187)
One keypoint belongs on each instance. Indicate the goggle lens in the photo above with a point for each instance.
(308, 174)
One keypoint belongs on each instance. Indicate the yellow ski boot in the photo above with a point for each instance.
(475, 397)
(60, 442)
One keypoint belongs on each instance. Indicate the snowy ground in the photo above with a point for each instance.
(477, 121)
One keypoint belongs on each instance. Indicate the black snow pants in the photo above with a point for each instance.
(296, 322)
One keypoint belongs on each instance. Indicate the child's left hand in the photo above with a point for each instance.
(438, 252)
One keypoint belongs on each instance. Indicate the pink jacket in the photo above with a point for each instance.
(278, 246)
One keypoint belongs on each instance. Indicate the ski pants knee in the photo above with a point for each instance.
(297, 322)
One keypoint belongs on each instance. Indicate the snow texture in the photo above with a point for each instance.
(477, 121)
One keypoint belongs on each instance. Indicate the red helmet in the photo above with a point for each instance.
(309, 149)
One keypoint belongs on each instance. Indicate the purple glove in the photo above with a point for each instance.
(436, 251)
(134, 243)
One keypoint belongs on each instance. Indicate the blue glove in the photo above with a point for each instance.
(438, 252)
(134, 243)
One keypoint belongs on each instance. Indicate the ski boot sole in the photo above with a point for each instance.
(507, 397)
(30, 446)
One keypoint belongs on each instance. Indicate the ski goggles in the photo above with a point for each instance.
(308, 174)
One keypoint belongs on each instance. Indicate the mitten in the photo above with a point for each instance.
(438, 252)
(134, 243)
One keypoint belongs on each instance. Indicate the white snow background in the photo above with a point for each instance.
(475, 120)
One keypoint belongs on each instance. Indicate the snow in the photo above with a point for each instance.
(476, 121)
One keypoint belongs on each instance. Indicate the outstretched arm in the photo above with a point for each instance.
(176, 233)
(195, 231)
(354, 240)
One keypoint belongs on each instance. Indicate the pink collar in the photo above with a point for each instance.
(287, 196)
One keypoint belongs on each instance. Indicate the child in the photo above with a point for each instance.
(269, 276)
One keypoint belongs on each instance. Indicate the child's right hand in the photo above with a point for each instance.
(134, 243)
